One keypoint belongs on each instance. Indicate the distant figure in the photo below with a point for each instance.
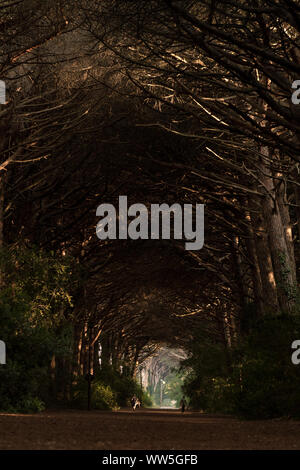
(182, 404)
(138, 403)
(135, 402)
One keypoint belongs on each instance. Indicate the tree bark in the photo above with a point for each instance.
(256, 276)
(287, 227)
(285, 279)
(264, 258)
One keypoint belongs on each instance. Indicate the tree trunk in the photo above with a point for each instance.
(283, 270)
(256, 276)
(287, 227)
(297, 201)
(264, 258)
(105, 351)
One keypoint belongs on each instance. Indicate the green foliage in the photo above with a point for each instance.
(102, 396)
(266, 383)
(206, 366)
(124, 386)
(261, 381)
(33, 299)
(172, 390)
(110, 391)
(210, 394)
(30, 405)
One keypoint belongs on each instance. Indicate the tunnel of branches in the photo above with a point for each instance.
(191, 106)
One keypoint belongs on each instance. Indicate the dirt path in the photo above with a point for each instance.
(143, 429)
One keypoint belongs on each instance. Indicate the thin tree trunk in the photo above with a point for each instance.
(239, 272)
(256, 276)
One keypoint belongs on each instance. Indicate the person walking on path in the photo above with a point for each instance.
(135, 402)
(182, 404)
